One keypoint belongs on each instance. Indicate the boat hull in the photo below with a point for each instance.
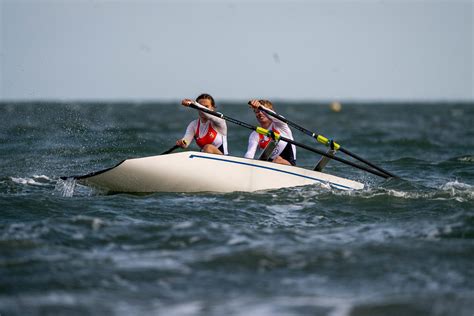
(201, 172)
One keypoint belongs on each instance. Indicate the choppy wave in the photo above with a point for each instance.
(453, 189)
(23, 185)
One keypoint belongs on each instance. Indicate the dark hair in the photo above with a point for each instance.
(205, 96)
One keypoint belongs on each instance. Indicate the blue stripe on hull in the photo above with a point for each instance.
(272, 169)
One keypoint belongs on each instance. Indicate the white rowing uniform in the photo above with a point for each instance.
(213, 131)
(283, 149)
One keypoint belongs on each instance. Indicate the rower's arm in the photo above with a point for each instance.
(282, 127)
(190, 131)
(252, 147)
(218, 123)
(278, 124)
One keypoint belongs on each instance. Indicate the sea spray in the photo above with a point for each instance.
(66, 187)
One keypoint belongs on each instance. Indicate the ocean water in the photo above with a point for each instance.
(399, 247)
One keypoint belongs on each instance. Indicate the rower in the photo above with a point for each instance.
(209, 132)
(279, 151)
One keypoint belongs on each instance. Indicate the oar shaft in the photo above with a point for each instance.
(347, 162)
(367, 162)
(327, 142)
(320, 138)
(261, 130)
(170, 150)
(285, 120)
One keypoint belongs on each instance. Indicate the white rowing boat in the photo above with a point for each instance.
(192, 171)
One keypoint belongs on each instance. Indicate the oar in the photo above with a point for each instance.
(325, 141)
(277, 136)
(102, 171)
(173, 148)
(199, 107)
(170, 150)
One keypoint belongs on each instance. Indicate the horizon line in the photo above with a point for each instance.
(238, 100)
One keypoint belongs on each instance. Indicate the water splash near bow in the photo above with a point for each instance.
(66, 187)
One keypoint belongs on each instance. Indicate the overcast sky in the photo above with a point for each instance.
(163, 50)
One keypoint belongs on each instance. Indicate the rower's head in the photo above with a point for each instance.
(208, 101)
(262, 118)
(266, 103)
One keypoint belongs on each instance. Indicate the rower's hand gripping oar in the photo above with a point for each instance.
(325, 141)
(277, 137)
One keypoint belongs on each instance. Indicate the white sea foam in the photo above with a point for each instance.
(455, 185)
(39, 180)
(459, 191)
(184, 225)
(466, 159)
(64, 187)
(451, 190)
(154, 260)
